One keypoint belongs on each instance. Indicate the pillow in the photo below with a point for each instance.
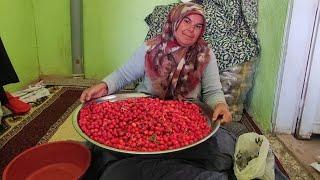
(157, 18)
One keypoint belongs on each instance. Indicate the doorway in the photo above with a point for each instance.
(297, 107)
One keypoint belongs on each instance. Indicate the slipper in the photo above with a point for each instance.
(17, 106)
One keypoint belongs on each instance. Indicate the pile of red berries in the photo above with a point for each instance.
(144, 124)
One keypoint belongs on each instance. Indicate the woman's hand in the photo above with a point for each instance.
(222, 109)
(95, 91)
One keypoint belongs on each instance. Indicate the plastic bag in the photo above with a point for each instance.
(253, 158)
(236, 82)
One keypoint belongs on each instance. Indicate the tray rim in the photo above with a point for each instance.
(214, 125)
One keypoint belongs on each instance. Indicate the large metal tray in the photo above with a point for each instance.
(118, 97)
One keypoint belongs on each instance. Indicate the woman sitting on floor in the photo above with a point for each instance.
(177, 64)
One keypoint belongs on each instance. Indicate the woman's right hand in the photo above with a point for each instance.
(95, 91)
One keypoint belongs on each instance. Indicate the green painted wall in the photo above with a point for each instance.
(112, 32)
(38, 40)
(53, 36)
(17, 30)
(272, 18)
(37, 37)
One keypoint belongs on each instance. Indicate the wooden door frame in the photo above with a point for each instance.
(295, 64)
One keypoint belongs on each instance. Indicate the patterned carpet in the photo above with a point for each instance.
(12, 124)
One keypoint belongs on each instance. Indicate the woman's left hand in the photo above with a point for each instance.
(222, 109)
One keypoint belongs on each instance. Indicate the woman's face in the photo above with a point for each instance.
(189, 30)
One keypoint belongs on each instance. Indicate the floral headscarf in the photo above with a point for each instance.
(173, 69)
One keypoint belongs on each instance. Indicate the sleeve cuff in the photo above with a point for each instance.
(111, 86)
(213, 102)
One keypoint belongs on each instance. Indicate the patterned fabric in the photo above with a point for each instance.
(1, 113)
(231, 28)
(176, 70)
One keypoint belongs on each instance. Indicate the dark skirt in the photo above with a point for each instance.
(7, 72)
(212, 159)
